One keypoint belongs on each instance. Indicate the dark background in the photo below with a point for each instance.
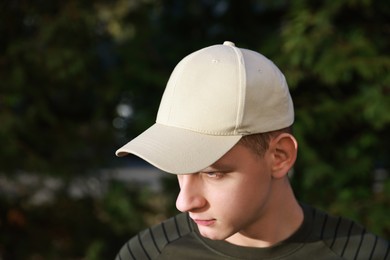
(80, 78)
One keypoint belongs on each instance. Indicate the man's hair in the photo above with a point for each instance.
(259, 143)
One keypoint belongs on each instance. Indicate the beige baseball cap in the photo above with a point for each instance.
(214, 97)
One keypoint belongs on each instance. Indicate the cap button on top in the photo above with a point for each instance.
(228, 43)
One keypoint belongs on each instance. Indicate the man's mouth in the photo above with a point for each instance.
(204, 222)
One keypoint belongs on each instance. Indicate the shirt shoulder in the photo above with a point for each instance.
(151, 242)
(347, 239)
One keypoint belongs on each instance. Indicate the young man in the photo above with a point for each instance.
(224, 127)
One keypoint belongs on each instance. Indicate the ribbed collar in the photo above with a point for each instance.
(282, 249)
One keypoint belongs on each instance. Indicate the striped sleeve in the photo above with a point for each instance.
(149, 243)
(350, 240)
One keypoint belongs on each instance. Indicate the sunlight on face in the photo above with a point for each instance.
(229, 196)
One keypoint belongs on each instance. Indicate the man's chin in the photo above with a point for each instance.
(212, 234)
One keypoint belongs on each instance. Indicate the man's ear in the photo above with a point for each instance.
(283, 150)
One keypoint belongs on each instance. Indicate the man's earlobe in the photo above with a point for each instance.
(284, 153)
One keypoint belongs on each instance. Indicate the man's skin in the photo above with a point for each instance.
(244, 198)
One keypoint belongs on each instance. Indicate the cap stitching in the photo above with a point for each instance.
(198, 130)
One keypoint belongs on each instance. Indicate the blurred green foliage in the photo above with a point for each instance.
(88, 227)
(66, 65)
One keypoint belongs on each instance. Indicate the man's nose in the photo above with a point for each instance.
(190, 198)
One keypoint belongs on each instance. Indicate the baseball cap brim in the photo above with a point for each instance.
(176, 150)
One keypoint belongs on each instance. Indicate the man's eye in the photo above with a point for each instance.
(216, 175)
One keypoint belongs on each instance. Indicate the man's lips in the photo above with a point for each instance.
(204, 222)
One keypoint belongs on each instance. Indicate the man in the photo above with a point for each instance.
(224, 127)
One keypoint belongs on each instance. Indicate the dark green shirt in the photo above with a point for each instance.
(321, 236)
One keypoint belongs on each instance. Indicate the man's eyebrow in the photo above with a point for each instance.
(209, 169)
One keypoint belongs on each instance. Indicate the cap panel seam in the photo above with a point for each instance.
(241, 88)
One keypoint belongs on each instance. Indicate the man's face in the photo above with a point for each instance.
(230, 197)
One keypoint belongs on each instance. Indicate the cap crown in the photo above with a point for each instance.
(225, 90)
